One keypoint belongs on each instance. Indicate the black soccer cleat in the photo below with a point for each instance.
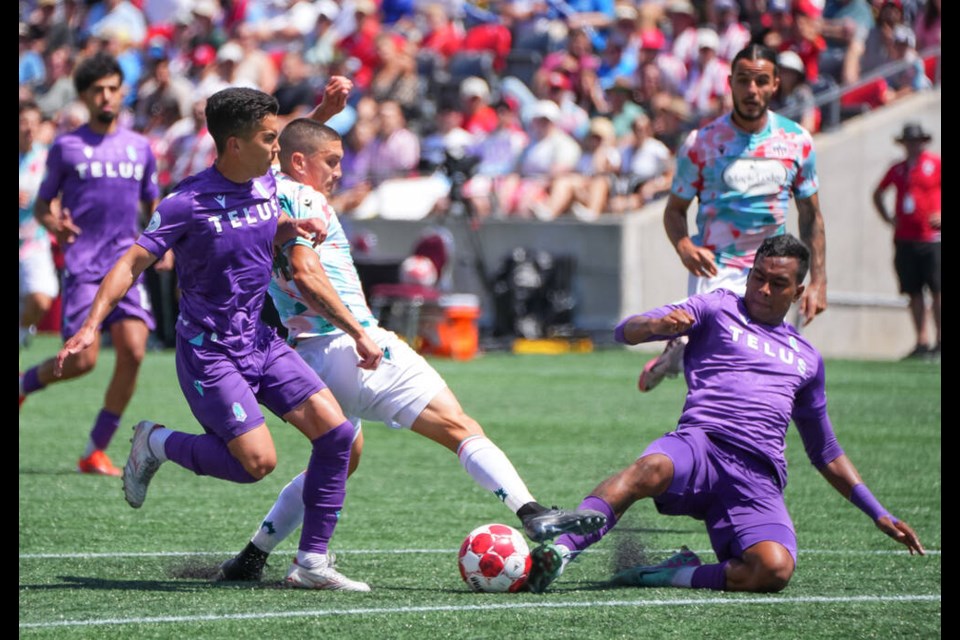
(246, 566)
(550, 523)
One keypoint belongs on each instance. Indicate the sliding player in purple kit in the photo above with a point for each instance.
(105, 178)
(222, 225)
(749, 372)
(743, 168)
(318, 295)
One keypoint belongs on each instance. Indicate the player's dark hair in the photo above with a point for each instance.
(98, 66)
(756, 52)
(236, 112)
(786, 246)
(306, 136)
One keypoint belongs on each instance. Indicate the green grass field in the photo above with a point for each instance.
(90, 566)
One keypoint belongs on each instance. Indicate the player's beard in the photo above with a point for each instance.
(748, 118)
(106, 117)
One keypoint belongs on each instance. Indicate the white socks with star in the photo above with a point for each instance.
(491, 469)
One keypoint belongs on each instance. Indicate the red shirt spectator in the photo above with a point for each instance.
(918, 197)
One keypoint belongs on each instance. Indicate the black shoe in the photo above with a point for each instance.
(920, 352)
(246, 566)
(550, 523)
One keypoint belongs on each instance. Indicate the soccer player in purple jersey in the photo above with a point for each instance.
(222, 225)
(105, 178)
(748, 372)
(743, 169)
(318, 296)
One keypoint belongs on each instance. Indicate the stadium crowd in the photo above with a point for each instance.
(571, 106)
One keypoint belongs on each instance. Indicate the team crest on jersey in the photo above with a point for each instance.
(779, 150)
(154, 223)
(238, 412)
(88, 152)
(221, 200)
(131, 153)
(793, 344)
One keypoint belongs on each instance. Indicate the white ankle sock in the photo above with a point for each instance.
(157, 440)
(491, 469)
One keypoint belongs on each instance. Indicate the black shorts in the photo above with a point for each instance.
(918, 265)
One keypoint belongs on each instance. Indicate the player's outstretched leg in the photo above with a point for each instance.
(675, 571)
(667, 364)
(546, 566)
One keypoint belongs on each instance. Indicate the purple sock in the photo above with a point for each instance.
(31, 381)
(205, 455)
(104, 428)
(577, 543)
(710, 576)
(324, 487)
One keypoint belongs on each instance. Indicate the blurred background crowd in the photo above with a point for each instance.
(549, 107)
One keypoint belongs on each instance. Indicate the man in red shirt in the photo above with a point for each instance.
(916, 224)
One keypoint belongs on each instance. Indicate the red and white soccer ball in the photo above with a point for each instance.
(495, 559)
(418, 270)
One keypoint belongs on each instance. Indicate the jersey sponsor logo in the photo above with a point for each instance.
(154, 223)
(769, 349)
(755, 176)
(246, 216)
(98, 169)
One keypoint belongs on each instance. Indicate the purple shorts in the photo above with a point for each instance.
(225, 392)
(735, 494)
(78, 297)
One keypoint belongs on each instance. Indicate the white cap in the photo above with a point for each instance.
(790, 60)
(707, 39)
(230, 52)
(475, 87)
(545, 109)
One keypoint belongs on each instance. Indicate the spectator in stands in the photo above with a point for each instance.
(359, 147)
(913, 77)
(255, 68)
(395, 76)
(30, 64)
(584, 191)
(927, 26)
(845, 26)
(57, 91)
(160, 86)
(805, 39)
(396, 150)
(707, 89)
(479, 118)
(916, 223)
(623, 108)
(498, 153)
(443, 34)
(574, 119)
(646, 170)
(794, 98)
(734, 36)
(683, 30)
(190, 146)
(878, 47)
(295, 92)
(551, 153)
(579, 64)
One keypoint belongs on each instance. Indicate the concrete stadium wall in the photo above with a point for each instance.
(626, 264)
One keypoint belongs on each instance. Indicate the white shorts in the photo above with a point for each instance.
(38, 275)
(395, 393)
(727, 278)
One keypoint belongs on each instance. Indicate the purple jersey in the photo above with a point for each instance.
(221, 234)
(746, 380)
(101, 180)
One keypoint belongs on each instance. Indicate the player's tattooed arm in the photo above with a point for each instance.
(813, 234)
(319, 294)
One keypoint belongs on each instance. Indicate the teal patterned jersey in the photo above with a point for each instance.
(744, 183)
(300, 201)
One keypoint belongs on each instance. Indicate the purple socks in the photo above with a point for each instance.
(324, 487)
(710, 576)
(31, 382)
(205, 455)
(577, 543)
(104, 428)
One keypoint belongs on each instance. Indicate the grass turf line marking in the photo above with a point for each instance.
(360, 552)
(866, 599)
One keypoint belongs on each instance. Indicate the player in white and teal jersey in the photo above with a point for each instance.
(743, 168)
(317, 293)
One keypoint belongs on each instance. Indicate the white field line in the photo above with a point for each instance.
(486, 608)
(350, 552)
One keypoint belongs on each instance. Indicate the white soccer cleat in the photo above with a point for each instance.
(322, 577)
(141, 465)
